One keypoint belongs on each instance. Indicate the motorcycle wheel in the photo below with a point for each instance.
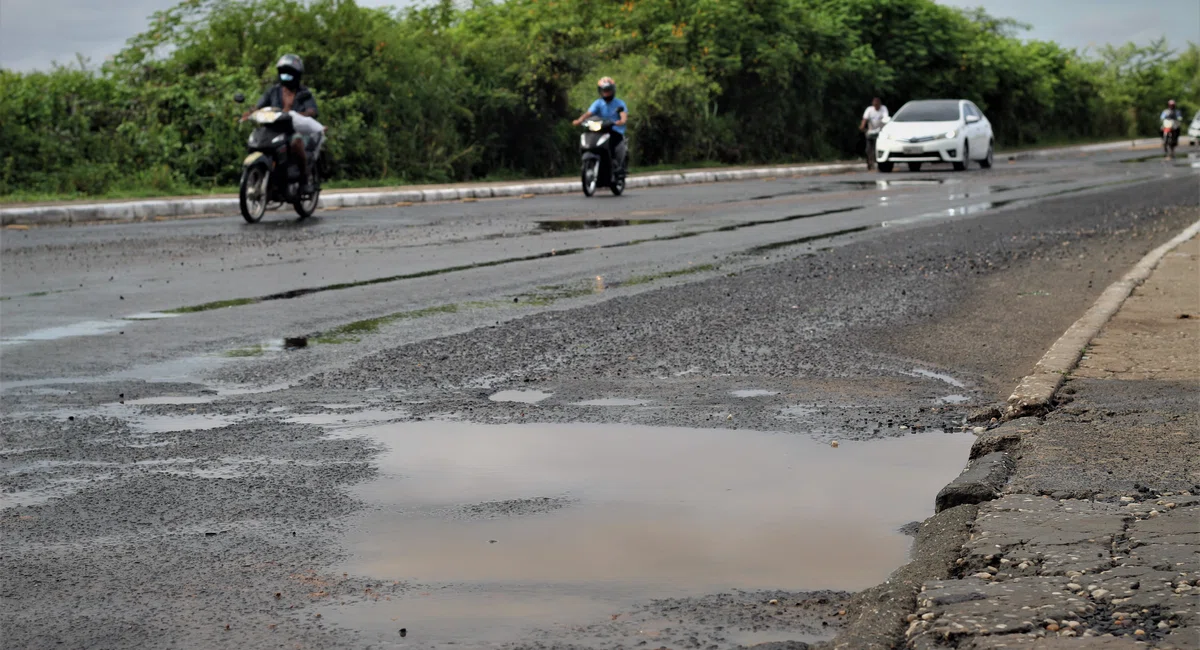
(252, 193)
(305, 207)
(590, 176)
(618, 185)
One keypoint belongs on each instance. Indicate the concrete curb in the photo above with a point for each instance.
(1088, 148)
(150, 209)
(1033, 395)
(981, 481)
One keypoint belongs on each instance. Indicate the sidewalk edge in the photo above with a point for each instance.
(1034, 393)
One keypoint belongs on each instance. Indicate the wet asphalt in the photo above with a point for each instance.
(834, 308)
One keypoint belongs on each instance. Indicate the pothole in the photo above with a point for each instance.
(638, 513)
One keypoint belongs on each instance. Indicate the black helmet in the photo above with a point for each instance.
(290, 62)
(606, 84)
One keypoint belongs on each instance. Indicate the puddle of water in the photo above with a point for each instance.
(348, 419)
(915, 182)
(954, 399)
(251, 389)
(86, 328)
(176, 423)
(559, 225)
(754, 392)
(974, 208)
(655, 512)
(520, 396)
(940, 376)
(612, 401)
(1141, 159)
(171, 399)
(54, 489)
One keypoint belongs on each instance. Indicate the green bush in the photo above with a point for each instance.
(443, 93)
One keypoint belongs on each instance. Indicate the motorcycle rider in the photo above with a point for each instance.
(1172, 113)
(290, 95)
(614, 110)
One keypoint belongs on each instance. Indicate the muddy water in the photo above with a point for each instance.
(649, 512)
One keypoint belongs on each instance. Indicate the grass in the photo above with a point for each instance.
(353, 332)
(208, 306)
(644, 279)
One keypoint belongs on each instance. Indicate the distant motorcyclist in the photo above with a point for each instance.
(290, 95)
(610, 109)
(1172, 112)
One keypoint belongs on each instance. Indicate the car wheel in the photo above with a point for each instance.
(966, 158)
(986, 163)
(886, 167)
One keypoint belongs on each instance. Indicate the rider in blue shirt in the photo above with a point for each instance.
(614, 110)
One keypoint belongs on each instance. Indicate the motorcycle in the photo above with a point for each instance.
(270, 177)
(1170, 137)
(598, 168)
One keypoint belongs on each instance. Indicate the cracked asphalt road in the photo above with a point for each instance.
(174, 478)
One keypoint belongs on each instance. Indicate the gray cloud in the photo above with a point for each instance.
(1085, 24)
(36, 33)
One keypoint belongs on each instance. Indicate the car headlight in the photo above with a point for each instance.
(887, 136)
(948, 135)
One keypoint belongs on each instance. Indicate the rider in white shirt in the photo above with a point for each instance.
(872, 123)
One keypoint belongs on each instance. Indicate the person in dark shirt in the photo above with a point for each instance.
(290, 95)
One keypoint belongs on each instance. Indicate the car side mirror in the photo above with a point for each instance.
(971, 119)
(239, 98)
(887, 120)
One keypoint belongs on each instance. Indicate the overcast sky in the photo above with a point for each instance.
(34, 33)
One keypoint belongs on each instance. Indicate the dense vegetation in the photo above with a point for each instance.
(443, 92)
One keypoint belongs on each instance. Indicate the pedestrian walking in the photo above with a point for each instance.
(872, 124)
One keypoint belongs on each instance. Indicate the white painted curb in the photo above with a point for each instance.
(150, 209)
(1033, 394)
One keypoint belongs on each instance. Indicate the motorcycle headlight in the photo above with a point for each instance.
(603, 139)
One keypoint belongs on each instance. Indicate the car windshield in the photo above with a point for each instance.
(928, 111)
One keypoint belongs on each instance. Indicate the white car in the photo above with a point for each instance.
(935, 131)
(1194, 129)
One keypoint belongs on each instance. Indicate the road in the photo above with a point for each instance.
(526, 421)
